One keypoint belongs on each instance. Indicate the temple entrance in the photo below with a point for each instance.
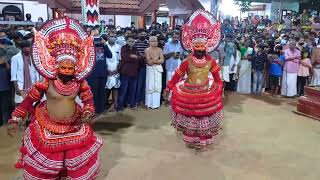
(12, 13)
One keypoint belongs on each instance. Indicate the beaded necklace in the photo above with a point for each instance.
(199, 62)
(68, 89)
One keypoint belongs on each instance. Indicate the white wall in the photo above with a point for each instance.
(31, 7)
(75, 16)
(106, 18)
(260, 13)
(268, 9)
(163, 19)
(293, 6)
(123, 21)
(206, 4)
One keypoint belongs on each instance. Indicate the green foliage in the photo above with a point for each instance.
(244, 4)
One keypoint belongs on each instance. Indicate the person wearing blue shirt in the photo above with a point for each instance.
(226, 27)
(275, 70)
(98, 77)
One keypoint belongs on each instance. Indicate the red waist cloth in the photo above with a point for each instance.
(54, 148)
(52, 134)
(56, 125)
(192, 100)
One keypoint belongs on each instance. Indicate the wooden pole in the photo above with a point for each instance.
(142, 22)
(172, 22)
(154, 16)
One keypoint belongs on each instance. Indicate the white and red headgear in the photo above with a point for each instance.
(201, 27)
(63, 39)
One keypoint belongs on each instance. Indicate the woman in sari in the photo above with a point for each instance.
(244, 81)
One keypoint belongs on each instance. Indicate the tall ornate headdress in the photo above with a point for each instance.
(201, 27)
(63, 39)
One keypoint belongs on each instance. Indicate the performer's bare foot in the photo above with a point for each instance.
(191, 146)
(200, 149)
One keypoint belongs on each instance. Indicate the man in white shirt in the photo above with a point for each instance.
(173, 54)
(23, 73)
(113, 79)
(121, 41)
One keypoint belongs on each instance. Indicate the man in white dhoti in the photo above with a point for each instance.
(290, 71)
(244, 81)
(113, 79)
(154, 56)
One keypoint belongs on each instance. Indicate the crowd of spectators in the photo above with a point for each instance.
(258, 56)
(280, 57)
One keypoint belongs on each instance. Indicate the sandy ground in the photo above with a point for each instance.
(262, 139)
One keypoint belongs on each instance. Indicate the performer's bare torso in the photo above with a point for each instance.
(198, 75)
(60, 106)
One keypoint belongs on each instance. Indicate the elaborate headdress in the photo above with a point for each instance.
(201, 27)
(63, 39)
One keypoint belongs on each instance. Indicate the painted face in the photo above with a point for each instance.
(199, 49)
(199, 46)
(66, 67)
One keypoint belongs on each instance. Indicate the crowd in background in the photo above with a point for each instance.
(279, 57)
(133, 64)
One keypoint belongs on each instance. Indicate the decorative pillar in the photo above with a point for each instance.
(172, 21)
(142, 22)
(154, 16)
(90, 12)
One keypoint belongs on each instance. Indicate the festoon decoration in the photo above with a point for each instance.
(90, 12)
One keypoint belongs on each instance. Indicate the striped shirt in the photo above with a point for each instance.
(141, 46)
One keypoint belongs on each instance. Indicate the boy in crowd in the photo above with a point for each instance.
(4, 87)
(275, 70)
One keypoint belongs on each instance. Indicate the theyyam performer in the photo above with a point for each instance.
(196, 102)
(59, 143)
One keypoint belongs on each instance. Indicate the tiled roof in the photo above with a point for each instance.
(114, 4)
(125, 7)
(130, 7)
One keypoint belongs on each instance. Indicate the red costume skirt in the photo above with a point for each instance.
(59, 149)
(197, 111)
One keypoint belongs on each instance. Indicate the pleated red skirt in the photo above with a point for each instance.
(197, 111)
(47, 154)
